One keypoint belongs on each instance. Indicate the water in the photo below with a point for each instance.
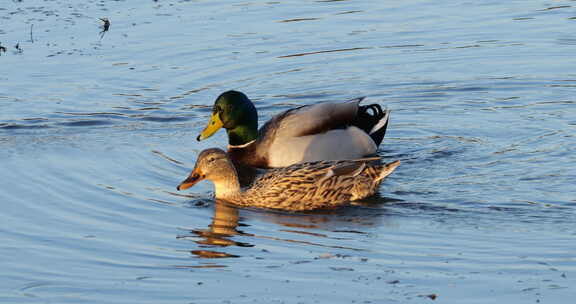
(97, 129)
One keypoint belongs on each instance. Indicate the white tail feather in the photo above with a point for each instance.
(381, 123)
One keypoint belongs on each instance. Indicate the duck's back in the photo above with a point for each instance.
(314, 133)
(317, 185)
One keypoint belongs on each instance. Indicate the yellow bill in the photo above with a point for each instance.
(213, 125)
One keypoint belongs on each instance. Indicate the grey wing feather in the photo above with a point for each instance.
(313, 119)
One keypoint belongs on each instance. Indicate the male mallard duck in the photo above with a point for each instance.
(325, 131)
(299, 187)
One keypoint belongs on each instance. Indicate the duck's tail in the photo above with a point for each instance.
(373, 120)
(387, 169)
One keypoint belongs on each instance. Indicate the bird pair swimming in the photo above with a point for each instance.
(318, 153)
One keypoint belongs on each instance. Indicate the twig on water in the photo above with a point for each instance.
(105, 26)
(31, 36)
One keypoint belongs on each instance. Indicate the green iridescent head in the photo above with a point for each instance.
(234, 112)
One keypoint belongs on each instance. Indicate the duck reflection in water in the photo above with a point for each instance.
(334, 226)
(223, 226)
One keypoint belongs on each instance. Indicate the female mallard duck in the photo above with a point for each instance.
(326, 131)
(300, 187)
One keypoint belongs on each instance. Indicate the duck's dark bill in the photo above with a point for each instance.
(190, 181)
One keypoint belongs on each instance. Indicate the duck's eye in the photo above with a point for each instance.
(211, 159)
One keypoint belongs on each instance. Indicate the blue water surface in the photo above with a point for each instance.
(98, 127)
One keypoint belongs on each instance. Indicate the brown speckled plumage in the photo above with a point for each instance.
(300, 187)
